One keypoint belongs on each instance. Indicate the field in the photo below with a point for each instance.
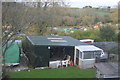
(69, 72)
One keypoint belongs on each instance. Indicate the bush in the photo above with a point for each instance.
(107, 33)
(86, 35)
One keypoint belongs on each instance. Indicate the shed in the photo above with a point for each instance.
(107, 70)
(43, 49)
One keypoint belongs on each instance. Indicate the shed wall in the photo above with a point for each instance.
(39, 56)
(42, 59)
(30, 52)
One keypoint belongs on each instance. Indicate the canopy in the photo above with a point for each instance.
(88, 48)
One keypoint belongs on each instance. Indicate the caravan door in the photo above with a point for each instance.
(77, 57)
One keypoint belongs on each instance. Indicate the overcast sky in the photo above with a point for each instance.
(93, 3)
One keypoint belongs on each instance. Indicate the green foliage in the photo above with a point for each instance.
(24, 45)
(104, 34)
(118, 37)
(61, 33)
(107, 33)
(91, 34)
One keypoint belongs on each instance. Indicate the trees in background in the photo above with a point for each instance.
(53, 14)
(107, 33)
(48, 14)
(114, 16)
(90, 34)
(88, 16)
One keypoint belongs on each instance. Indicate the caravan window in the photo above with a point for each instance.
(91, 54)
(88, 54)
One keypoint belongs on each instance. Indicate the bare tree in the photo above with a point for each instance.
(48, 14)
(87, 16)
(18, 17)
(15, 19)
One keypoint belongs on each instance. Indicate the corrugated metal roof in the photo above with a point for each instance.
(54, 40)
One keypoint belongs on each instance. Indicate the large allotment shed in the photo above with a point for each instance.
(43, 49)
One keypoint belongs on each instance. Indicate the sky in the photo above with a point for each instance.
(93, 3)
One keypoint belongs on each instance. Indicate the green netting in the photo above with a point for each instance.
(12, 54)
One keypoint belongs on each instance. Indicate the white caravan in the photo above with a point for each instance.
(85, 55)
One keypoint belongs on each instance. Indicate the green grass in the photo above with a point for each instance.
(69, 72)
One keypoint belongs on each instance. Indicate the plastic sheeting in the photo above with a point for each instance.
(12, 55)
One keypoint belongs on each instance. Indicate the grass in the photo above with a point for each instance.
(69, 72)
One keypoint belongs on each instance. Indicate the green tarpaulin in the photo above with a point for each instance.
(12, 55)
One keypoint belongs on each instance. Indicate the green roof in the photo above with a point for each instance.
(12, 54)
(54, 41)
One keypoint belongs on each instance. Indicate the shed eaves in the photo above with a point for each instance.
(54, 41)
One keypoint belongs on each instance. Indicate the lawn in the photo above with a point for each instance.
(69, 72)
